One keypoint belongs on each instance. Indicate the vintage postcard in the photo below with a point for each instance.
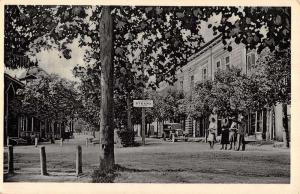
(143, 97)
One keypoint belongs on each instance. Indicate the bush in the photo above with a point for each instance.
(126, 137)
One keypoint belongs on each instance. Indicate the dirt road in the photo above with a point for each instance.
(158, 162)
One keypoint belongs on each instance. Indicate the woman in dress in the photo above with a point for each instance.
(232, 135)
(225, 133)
(212, 130)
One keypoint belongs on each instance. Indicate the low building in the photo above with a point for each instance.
(11, 104)
(21, 124)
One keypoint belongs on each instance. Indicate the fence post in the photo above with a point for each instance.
(43, 161)
(10, 159)
(78, 160)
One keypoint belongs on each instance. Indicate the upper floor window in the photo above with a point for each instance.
(250, 60)
(192, 82)
(227, 62)
(181, 85)
(218, 65)
(204, 73)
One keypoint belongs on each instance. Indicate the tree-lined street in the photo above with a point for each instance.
(150, 52)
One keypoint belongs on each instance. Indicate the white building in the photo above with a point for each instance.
(265, 124)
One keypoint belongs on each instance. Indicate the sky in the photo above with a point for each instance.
(51, 61)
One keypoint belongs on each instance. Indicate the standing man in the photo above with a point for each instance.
(241, 133)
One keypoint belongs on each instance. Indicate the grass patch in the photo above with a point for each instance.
(105, 176)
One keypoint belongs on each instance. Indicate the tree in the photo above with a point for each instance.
(231, 92)
(166, 105)
(60, 25)
(50, 97)
(273, 74)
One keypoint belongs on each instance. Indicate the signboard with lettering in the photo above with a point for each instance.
(142, 103)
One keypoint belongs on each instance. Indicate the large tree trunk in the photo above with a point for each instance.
(107, 159)
(285, 125)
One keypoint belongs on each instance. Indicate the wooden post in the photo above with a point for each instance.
(143, 126)
(156, 128)
(129, 123)
(43, 161)
(78, 161)
(10, 159)
(262, 122)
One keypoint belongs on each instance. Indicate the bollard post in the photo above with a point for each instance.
(10, 159)
(43, 161)
(35, 141)
(78, 160)
(87, 142)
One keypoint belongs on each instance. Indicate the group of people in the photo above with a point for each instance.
(233, 132)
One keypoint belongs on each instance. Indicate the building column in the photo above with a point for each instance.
(194, 127)
(40, 128)
(256, 122)
(26, 123)
(32, 124)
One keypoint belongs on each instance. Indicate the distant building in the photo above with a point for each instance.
(11, 103)
(19, 123)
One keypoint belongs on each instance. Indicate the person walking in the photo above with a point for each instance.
(241, 133)
(225, 133)
(212, 130)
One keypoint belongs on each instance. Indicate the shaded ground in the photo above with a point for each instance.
(158, 162)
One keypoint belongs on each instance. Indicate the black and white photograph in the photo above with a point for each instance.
(147, 94)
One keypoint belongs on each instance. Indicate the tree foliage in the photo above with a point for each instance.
(200, 102)
(161, 38)
(50, 97)
(166, 105)
(272, 73)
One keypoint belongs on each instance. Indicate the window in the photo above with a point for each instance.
(192, 82)
(204, 74)
(250, 60)
(227, 62)
(181, 85)
(218, 64)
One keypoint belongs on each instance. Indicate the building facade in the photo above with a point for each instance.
(266, 124)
